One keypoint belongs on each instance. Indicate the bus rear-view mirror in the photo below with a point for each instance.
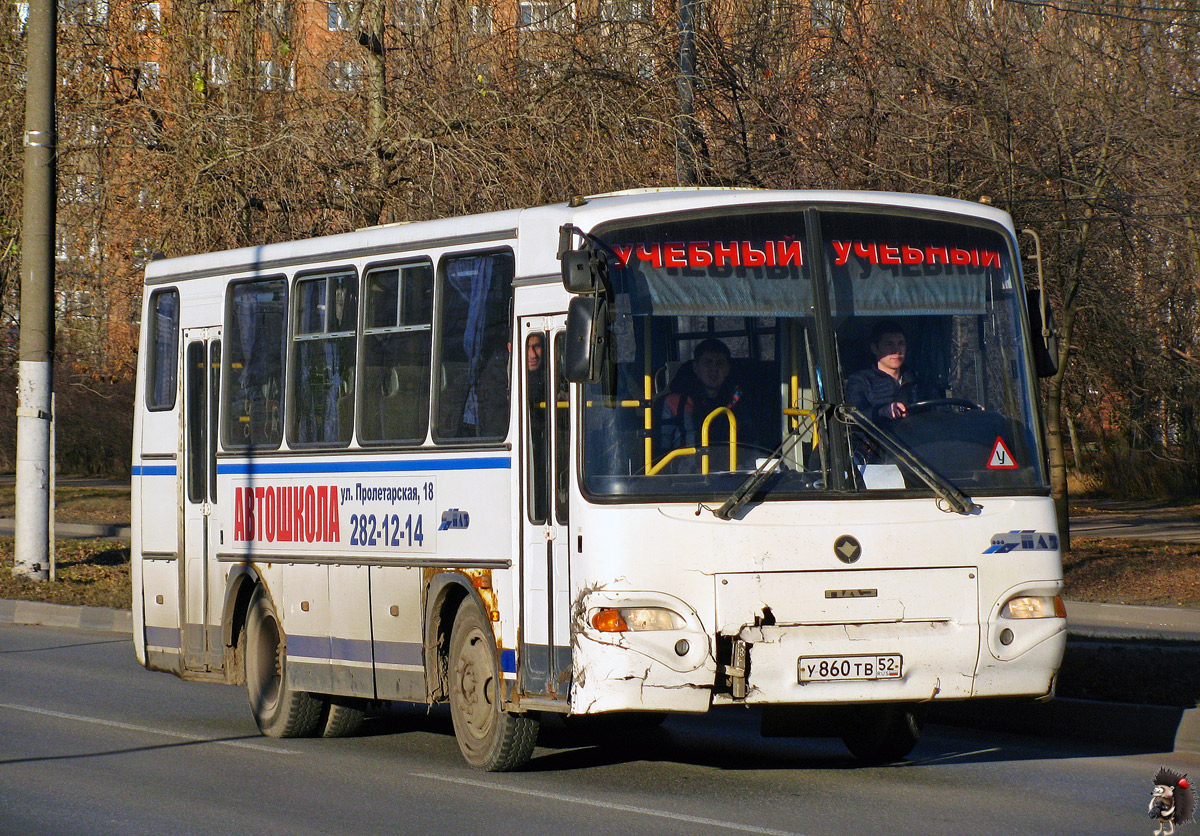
(586, 339)
(1044, 333)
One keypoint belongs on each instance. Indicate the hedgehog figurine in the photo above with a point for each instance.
(1172, 802)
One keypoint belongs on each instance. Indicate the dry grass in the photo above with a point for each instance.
(99, 505)
(90, 573)
(1146, 572)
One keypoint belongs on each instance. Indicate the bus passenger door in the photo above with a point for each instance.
(202, 372)
(545, 650)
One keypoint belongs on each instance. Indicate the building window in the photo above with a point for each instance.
(84, 12)
(148, 17)
(538, 14)
(626, 11)
(275, 75)
(341, 15)
(412, 14)
(479, 20)
(218, 70)
(828, 14)
(79, 188)
(147, 75)
(344, 76)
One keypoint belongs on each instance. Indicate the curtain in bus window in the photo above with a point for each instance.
(257, 323)
(475, 346)
(164, 350)
(394, 394)
(323, 364)
(720, 291)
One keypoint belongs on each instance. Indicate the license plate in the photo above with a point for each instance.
(833, 668)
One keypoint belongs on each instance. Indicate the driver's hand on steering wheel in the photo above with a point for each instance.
(897, 410)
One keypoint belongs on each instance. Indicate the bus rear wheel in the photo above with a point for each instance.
(489, 737)
(279, 710)
(883, 734)
(342, 719)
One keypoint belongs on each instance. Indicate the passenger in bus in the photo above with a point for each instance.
(700, 387)
(538, 422)
(885, 390)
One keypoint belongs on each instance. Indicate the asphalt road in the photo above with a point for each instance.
(92, 744)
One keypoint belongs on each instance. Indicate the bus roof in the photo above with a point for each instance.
(538, 228)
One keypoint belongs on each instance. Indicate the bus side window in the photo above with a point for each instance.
(256, 329)
(474, 355)
(322, 384)
(397, 339)
(538, 402)
(163, 362)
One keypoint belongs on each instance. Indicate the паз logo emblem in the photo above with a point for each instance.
(454, 518)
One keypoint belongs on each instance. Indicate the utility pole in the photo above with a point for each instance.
(687, 171)
(35, 358)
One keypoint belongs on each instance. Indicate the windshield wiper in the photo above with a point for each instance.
(958, 501)
(769, 466)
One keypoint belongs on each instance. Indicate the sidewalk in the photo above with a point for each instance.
(1120, 622)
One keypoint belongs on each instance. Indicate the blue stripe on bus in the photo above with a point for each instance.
(508, 661)
(406, 465)
(334, 649)
(350, 650)
(311, 647)
(153, 470)
(398, 653)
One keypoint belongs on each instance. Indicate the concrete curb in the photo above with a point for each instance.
(62, 615)
(77, 531)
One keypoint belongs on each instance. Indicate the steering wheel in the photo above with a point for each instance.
(940, 403)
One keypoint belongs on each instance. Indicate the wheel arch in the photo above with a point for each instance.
(445, 593)
(239, 587)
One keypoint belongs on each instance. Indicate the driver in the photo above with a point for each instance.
(884, 391)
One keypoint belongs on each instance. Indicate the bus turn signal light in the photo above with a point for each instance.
(1034, 606)
(636, 619)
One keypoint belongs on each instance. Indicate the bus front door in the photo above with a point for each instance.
(201, 647)
(545, 647)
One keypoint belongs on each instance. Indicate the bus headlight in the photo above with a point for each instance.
(636, 619)
(1034, 606)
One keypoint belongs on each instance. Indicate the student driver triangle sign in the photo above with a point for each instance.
(1001, 458)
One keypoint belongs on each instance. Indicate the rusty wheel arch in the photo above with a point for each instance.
(238, 589)
(445, 593)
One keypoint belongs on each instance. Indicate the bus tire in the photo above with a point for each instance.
(342, 720)
(883, 734)
(279, 710)
(489, 737)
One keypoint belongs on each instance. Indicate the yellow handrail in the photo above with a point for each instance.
(806, 413)
(669, 457)
(732, 437)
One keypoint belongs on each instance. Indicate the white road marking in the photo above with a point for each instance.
(608, 805)
(97, 721)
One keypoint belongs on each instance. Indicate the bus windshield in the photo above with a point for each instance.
(733, 347)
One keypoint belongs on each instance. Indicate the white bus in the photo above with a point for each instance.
(481, 461)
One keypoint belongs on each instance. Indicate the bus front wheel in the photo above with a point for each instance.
(489, 737)
(279, 710)
(883, 734)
